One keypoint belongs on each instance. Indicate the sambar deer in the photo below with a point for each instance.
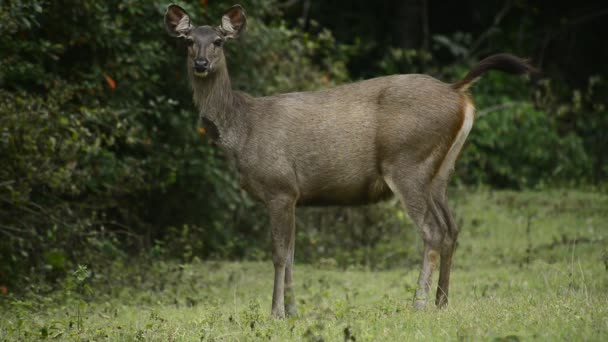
(353, 144)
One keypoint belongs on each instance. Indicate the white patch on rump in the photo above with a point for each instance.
(450, 159)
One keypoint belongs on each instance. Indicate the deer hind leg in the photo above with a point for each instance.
(440, 198)
(414, 190)
(447, 248)
(421, 187)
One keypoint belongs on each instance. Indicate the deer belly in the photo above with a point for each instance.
(328, 191)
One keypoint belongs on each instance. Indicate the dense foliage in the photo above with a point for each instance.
(100, 156)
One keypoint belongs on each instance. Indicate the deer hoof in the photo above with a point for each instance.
(419, 304)
(291, 310)
(442, 302)
(278, 314)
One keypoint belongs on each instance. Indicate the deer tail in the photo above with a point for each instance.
(503, 62)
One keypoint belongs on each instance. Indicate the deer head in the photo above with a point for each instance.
(205, 43)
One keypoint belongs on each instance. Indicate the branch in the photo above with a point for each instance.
(287, 4)
(305, 11)
(497, 20)
(13, 229)
(499, 107)
(425, 25)
(552, 34)
(7, 183)
(585, 18)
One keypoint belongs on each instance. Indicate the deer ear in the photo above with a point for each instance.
(177, 21)
(233, 22)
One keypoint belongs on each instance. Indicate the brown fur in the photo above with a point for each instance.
(352, 144)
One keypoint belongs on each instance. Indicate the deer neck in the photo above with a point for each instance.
(222, 111)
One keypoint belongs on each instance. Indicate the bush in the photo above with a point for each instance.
(101, 157)
(520, 147)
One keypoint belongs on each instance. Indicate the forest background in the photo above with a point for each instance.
(101, 159)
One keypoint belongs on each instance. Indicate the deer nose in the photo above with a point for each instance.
(201, 64)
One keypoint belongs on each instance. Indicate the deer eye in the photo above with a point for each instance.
(218, 42)
(189, 42)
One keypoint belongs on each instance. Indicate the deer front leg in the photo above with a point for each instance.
(282, 223)
(290, 297)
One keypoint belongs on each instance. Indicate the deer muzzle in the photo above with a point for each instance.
(201, 67)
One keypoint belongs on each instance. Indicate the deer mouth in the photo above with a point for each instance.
(201, 74)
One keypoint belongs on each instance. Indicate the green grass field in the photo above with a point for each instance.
(529, 266)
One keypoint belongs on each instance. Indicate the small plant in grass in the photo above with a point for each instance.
(77, 283)
(20, 308)
(314, 333)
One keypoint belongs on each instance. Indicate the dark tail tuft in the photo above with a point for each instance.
(503, 62)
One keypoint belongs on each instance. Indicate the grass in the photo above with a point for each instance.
(529, 266)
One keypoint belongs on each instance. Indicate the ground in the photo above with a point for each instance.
(529, 266)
